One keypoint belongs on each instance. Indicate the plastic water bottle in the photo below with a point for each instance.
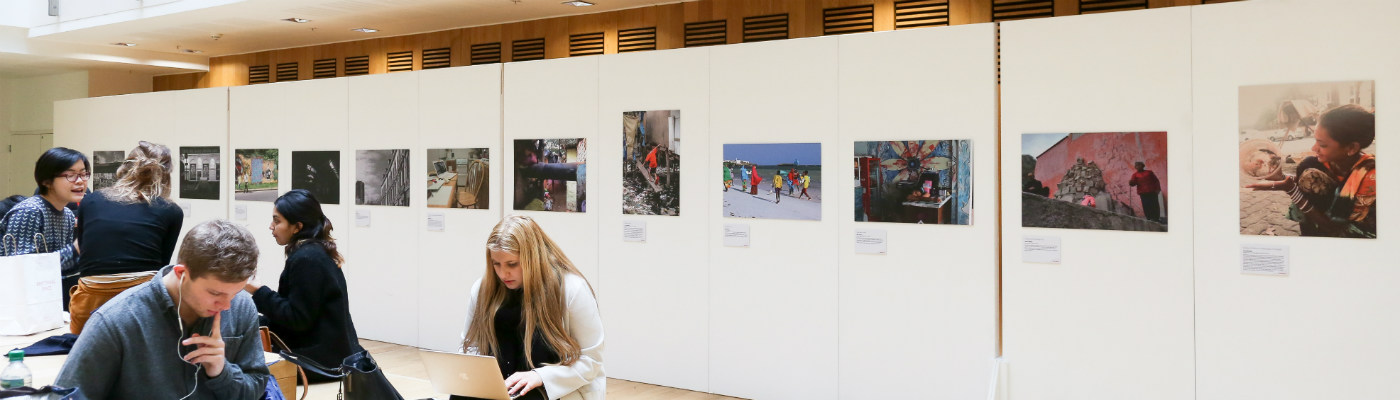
(16, 374)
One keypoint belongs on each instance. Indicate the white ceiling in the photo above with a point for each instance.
(256, 25)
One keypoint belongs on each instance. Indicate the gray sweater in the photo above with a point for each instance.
(128, 350)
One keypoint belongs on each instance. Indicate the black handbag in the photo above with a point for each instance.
(360, 377)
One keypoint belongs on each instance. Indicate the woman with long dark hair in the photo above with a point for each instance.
(311, 309)
(536, 314)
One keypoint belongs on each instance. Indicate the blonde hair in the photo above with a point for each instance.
(543, 267)
(143, 176)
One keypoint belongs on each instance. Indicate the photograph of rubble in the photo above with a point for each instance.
(1105, 180)
(651, 159)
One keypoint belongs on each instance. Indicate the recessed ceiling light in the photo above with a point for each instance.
(365, 30)
(297, 20)
(577, 3)
(192, 51)
(124, 44)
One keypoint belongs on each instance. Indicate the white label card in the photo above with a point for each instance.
(1262, 259)
(362, 218)
(634, 231)
(1040, 249)
(736, 235)
(240, 212)
(437, 221)
(871, 241)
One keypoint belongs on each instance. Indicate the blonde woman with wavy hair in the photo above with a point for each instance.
(130, 227)
(537, 315)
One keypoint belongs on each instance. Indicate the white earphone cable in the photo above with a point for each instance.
(181, 323)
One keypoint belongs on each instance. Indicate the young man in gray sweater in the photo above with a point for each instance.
(189, 333)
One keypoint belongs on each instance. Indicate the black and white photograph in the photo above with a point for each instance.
(381, 178)
(104, 168)
(319, 173)
(199, 172)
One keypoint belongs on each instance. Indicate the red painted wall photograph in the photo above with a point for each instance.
(1101, 180)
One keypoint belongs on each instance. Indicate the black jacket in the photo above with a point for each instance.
(311, 313)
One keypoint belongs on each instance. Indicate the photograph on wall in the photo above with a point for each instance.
(651, 159)
(773, 180)
(104, 168)
(199, 172)
(255, 174)
(549, 175)
(381, 178)
(1308, 159)
(1105, 180)
(914, 181)
(459, 178)
(319, 173)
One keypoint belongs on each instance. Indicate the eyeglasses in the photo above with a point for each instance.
(74, 178)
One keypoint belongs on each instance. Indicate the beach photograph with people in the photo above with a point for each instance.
(772, 180)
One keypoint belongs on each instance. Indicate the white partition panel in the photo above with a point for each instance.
(383, 115)
(292, 116)
(1326, 330)
(654, 294)
(773, 309)
(919, 321)
(457, 108)
(1113, 320)
(556, 99)
(174, 119)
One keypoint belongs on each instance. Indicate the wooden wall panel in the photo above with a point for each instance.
(804, 18)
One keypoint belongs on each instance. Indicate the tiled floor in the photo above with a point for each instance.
(400, 364)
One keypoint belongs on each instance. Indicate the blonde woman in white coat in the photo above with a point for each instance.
(537, 315)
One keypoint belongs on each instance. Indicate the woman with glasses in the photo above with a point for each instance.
(130, 227)
(62, 175)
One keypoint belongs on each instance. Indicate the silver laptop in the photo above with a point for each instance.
(464, 375)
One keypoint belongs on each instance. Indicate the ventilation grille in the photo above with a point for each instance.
(1006, 10)
(920, 13)
(486, 53)
(586, 44)
(401, 61)
(708, 33)
(437, 58)
(358, 65)
(286, 72)
(1098, 6)
(765, 28)
(526, 50)
(639, 39)
(854, 19)
(259, 74)
(324, 68)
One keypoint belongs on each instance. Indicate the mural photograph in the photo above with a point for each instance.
(104, 168)
(1308, 159)
(381, 178)
(549, 175)
(914, 181)
(651, 159)
(255, 174)
(770, 180)
(319, 173)
(1105, 180)
(459, 178)
(199, 172)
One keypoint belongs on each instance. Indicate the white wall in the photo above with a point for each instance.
(773, 308)
(458, 108)
(1114, 319)
(184, 118)
(30, 99)
(1326, 330)
(919, 321)
(654, 294)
